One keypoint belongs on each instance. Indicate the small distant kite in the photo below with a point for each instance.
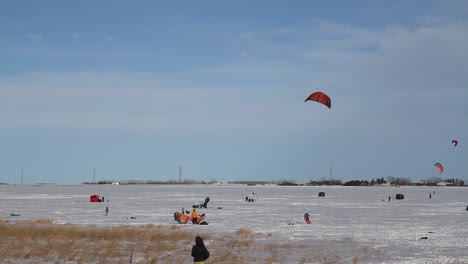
(439, 167)
(455, 142)
(320, 97)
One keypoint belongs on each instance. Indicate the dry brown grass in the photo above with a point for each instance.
(41, 241)
(244, 231)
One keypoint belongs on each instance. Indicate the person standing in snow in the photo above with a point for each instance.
(199, 251)
(306, 218)
(194, 217)
(107, 210)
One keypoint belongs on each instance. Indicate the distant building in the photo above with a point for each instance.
(444, 184)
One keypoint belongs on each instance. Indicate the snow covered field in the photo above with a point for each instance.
(359, 215)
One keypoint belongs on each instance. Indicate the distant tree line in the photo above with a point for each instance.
(287, 183)
(456, 182)
(432, 181)
(396, 181)
(357, 183)
(373, 182)
(324, 182)
(252, 182)
(130, 182)
(377, 181)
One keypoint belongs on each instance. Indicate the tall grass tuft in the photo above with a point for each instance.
(40, 241)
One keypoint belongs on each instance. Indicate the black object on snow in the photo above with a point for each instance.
(203, 205)
(399, 196)
(321, 194)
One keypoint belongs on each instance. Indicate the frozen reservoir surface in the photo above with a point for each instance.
(361, 215)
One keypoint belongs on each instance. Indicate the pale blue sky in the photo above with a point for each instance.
(136, 89)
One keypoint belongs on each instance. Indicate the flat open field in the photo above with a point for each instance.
(349, 224)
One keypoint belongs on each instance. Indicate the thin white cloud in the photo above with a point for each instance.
(107, 101)
(384, 78)
(395, 77)
(36, 37)
(283, 31)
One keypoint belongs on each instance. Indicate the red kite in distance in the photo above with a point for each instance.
(320, 97)
(439, 167)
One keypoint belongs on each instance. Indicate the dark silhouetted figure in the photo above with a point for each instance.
(199, 251)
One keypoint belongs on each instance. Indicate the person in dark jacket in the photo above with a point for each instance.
(306, 218)
(199, 251)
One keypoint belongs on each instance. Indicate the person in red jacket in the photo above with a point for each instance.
(199, 251)
(306, 218)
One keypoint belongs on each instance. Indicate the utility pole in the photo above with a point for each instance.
(180, 173)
